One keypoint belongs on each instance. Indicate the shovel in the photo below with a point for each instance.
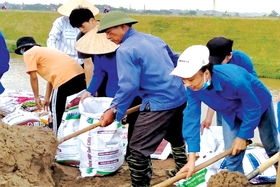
(263, 167)
(77, 133)
(180, 176)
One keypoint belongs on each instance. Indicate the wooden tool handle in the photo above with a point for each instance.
(77, 133)
(176, 178)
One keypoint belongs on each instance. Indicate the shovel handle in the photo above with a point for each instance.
(263, 166)
(88, 128)
(212, 160)
(180, 176)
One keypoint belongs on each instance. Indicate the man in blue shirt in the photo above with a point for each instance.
(4, 59)
(144, 63)
(241, 98)
(221, 53)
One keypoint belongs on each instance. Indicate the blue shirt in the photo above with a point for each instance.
(4, 59)
(104, 64)
(241, 59)
(235, 93)
(144, 63)
(278, 115)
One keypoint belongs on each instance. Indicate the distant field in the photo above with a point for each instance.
(258, 37)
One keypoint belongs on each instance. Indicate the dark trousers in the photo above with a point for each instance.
(149, 130)
(59, 95)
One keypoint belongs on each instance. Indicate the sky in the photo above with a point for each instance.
(240, 6)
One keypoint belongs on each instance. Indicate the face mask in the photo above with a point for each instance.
(21, 52)
(206, 83)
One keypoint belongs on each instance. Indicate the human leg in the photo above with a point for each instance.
(268, 131)
(219, 119)
(177, 142)
(59, 96)
(131, 119)
(233, 162)
(149, 130)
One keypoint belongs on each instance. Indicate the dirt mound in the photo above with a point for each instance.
(26, 156)
(229, 179)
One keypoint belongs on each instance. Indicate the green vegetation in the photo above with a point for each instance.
(258, 37)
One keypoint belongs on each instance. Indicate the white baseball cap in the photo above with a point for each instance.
(191, 61)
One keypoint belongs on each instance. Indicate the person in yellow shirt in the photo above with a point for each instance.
(64, 75)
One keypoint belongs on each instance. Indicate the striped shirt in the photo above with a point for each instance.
(63, 37)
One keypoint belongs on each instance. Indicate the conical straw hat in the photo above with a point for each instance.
(67, 7)
(95, 43)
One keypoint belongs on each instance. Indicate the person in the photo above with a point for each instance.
(105, 67)
(106, 9)
(62, 35)
(144, 62)
(241, 98)
(83, 19)
(278, 111)
(51, 65)
(4, 59)
(221, 53)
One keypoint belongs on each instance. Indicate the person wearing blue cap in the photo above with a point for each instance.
(4, 59)
(241, 98)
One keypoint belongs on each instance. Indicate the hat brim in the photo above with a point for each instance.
(185, 71)
(216, 59)
(104, 27)
(67, 7)
(17, 51)
(95, 43)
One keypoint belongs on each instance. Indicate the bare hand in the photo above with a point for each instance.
(39, 103)
(85, 95)
(46, 105)
(188, 169)
(206, 123)
(238, 145)
(107, 118)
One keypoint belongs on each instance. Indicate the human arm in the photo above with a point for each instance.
(278, 111)
(88, 67)
(48, 93)
(129, 85)
(206, 123)
(4, 55)
(174, 56)
(191, 130)
(35, 88)
(55, 33)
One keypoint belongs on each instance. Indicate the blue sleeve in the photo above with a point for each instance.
(4, 55)
(191, 122)
(251, 109)
(278, 115)
(243, 60)
(97, 78)
(174, 56)
(128, 84)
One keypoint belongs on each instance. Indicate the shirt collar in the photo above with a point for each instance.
(130, 31)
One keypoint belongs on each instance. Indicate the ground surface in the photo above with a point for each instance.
(27, 160)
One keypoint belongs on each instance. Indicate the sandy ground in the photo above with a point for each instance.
(27, 160)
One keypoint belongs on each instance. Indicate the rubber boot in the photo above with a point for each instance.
(140, 171)
(180, 158)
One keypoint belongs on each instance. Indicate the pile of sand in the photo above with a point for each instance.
(228, 179)
(26, 156)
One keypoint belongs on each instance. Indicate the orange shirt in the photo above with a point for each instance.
(52, 65)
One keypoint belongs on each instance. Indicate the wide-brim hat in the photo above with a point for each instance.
(95, 43)
(25, 41)
(191, 61)
(67, 7)
(114, 18)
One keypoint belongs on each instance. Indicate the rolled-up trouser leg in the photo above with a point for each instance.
(180, 157)
(140, 171)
